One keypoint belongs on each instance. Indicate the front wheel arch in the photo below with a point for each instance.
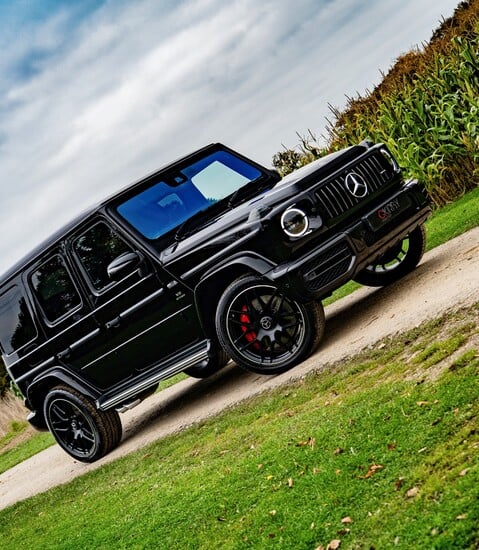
(209, 290)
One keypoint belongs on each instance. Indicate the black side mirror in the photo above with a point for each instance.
(125, 262)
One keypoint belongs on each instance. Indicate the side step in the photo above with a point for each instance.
(123, 397)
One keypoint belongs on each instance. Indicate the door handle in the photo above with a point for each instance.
(63, 354)
(114, 323)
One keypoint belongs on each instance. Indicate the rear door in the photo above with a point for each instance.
(66, 314)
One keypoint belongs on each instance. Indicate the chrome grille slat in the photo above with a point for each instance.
(336, 200)
(371, 173)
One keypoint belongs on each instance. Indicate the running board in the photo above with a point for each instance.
(117, 400)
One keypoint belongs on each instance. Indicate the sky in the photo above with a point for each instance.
(96, 94)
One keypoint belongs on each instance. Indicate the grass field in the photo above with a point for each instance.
(381, 451)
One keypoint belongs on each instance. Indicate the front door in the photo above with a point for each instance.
(142, 318)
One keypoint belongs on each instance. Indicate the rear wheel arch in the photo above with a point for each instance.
(38, 390)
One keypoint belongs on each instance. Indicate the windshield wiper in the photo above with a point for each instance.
(181, 232)
(246, 192)
(243, 193)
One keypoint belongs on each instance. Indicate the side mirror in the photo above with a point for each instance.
(125, 262)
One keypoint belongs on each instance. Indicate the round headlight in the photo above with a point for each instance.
(294, 222)
(391, 160)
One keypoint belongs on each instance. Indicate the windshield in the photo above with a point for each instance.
(181, 194)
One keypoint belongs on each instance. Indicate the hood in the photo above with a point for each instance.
(233, 226)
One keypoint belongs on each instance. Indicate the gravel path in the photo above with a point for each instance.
(447, 279)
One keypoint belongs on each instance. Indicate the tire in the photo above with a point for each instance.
(209, 367)
(398, 261)
(84, 432)
(263, 330)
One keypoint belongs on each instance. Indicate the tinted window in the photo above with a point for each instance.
(97, 248)
(54, 289)
(168, 203)
(16, 324)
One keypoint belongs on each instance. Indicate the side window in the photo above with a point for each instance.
(96, 249)
(55, 289)
(16, 324)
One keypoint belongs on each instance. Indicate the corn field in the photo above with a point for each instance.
(428, 118)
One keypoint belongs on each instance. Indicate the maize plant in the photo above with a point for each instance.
(429, 118)
(431, 125)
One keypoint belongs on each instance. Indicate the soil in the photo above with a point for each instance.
(446, 279)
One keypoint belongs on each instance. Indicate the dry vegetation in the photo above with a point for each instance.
(11, 410)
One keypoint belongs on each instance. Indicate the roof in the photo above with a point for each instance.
(53, 239)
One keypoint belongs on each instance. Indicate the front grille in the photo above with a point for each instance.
(335, 199)
(327, 267)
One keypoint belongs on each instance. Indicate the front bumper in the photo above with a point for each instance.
(336, 261)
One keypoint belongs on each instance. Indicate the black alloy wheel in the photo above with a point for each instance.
(398, 261)
(84, 432)
(263, 330)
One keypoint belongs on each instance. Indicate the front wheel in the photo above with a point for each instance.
(263, 330)
(82, 430)
(398, 261)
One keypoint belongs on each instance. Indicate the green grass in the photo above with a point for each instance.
(382, 439)
(453, 220)
(31, 446)
(12, 454)
(16, 428)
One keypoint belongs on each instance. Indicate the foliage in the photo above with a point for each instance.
(4, 380)
(309, 149)
(378, 451)
(425, 109)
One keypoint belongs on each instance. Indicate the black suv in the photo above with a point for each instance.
(213, 257)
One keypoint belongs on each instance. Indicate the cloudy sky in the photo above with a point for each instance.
(95, 94)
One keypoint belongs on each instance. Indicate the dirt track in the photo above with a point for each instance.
(447, 278)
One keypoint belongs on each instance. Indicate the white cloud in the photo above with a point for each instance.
(92, 102)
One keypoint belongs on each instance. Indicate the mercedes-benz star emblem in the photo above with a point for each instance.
(356, 185)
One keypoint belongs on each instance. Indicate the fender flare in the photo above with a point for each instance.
(40, 386)
(214, 281)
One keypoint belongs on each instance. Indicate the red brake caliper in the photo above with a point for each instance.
(250, 335)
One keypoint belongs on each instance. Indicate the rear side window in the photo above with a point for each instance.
(55, 290)
(96, 249)
(16, 324)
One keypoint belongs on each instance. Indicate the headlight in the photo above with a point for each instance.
(391, 160)
(295, 222)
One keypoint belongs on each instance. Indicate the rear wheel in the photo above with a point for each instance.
(263, 330)
(83, 431)
(398, 261)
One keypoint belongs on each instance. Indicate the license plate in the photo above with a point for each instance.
(388, 211)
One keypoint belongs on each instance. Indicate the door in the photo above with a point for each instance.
(69, 326)
(142, 317)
